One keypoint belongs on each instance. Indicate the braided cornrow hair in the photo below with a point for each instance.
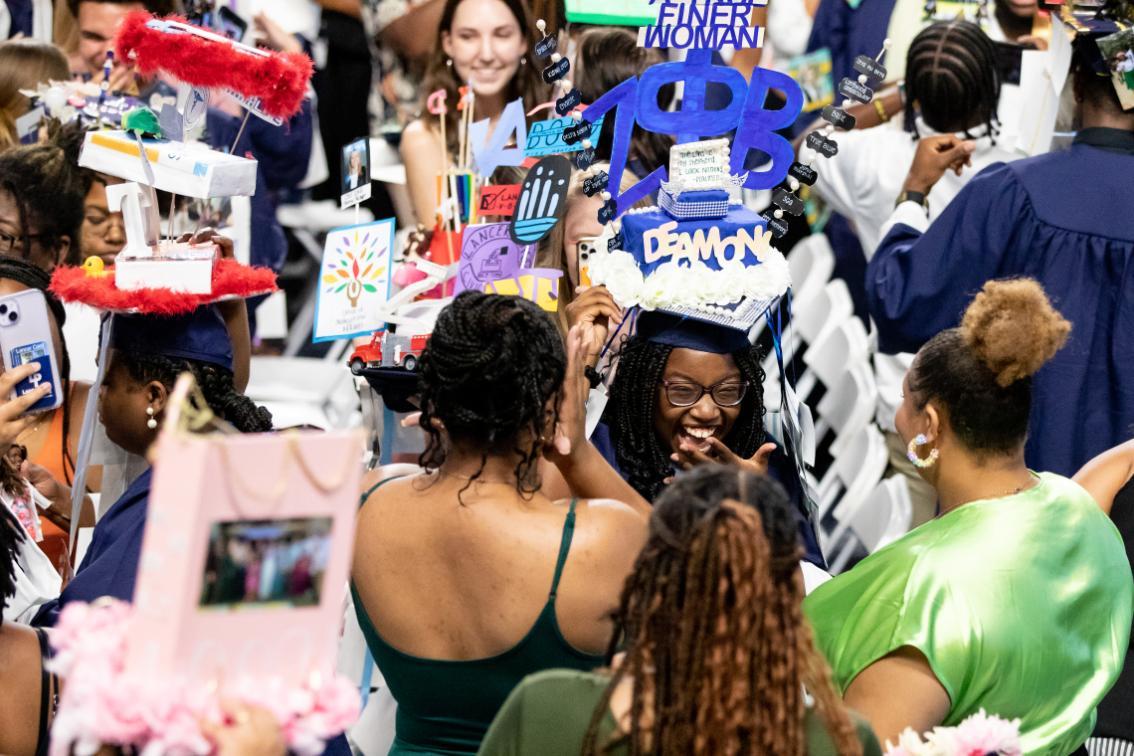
(214, 381)
(717, 649)
(642, 457)
(11, 535)
(45, 182)
(492, 375)
(952, 77)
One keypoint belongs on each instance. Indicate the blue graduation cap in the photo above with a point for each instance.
(200, 336)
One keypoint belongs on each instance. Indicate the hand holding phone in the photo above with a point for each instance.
(26, 338)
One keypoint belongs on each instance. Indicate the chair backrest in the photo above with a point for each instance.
(829, 307)
(810, 263)
(886, 515)
(850, 404)
(837, 350)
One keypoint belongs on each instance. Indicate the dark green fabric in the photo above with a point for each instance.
(444, 706)
(549, 714)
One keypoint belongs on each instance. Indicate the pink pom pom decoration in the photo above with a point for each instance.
(103, 705)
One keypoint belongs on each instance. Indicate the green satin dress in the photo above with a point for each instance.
(1021, 605)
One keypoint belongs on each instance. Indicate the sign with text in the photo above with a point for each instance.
(546, 137)
(499, 199)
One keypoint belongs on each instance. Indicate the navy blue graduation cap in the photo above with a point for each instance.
(200, 336)
(683, 332)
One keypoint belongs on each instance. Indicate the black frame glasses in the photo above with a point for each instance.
(713, 391)
(9, 242)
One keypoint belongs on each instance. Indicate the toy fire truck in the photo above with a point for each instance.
(388, 350)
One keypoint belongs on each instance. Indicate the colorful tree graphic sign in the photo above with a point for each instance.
(354, 280)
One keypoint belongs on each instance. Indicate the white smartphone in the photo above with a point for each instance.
(26, 336)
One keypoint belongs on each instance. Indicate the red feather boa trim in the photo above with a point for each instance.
(231, 280)
(279, 79)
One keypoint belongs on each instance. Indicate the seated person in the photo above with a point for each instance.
(716, 651)
(1017, 598)
(147, 354)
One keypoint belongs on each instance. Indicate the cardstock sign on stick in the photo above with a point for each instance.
(492, 153)
(487, 254)
(539, 285)
(543, 197)
(354, 280)
(546, 137)
(499, 199)
(805, 174)
(636, 103)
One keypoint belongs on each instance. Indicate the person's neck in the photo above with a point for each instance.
(462, 466)
(1092, 117)
(1012, 25)
(963, 478)
(489, 107)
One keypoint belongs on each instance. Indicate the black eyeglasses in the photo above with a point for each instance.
(10, 243)
(685, 394)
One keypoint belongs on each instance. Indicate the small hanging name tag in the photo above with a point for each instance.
(592, 185)
(805, 174)
(583, 159)
(567, 102)
(869, 67)
(838, 118)
(545, 46)
(853, 90)
(556, 70)
(821, 144)
(575, 133)
(778, 226)
(788, 202)
(607, 212)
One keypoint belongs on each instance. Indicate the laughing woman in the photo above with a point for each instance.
(485, 43)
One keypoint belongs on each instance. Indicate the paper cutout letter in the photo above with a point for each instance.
(491, 154)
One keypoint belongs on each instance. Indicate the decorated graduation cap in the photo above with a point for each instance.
(199, 336)
(1103, 41)
(700, 256)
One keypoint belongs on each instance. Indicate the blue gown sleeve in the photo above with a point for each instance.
(919, 284)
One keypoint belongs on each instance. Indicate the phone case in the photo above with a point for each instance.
(26, 336)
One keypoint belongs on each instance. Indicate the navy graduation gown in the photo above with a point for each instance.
(110, 565)
(1067, 220)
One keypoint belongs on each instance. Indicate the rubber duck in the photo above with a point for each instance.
(95, 267)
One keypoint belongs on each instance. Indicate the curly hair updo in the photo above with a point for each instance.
(981, 372)
(491, 375)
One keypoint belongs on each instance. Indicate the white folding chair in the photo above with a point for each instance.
(884, 515)
(811, 263)
(830, 306)
(848, 406)
(838, 349)
(305, 391)
(855, 470)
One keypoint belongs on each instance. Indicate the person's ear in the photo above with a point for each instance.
(62, 249)
(933, 428)
(447, 44)
(157, 395)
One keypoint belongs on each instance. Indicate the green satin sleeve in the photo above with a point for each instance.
(1021, 606)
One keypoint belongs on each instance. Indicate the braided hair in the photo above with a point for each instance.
(45, 183)
(214, 381)
(11, 535)
(642, 457)
(717, 649)
(952, 77)
(492, 376)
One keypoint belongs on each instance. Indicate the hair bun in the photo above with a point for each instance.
(1013, 329)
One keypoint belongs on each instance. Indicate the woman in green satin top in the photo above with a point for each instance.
(717, 652)
(1017, 597)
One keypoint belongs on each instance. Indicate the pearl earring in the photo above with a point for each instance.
(449, 62)
(152, 422)
(523, 60)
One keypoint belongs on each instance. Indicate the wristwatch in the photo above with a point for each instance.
(910, 196)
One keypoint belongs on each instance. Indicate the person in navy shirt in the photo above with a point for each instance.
(1062, 218)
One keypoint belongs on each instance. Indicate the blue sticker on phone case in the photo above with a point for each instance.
(35, 352)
